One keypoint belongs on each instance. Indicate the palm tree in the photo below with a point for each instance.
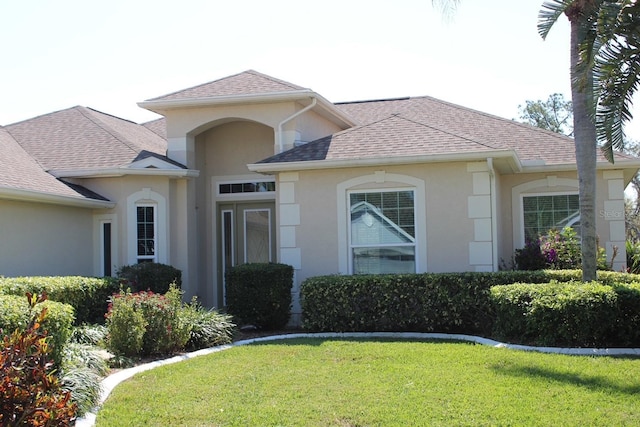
(582, 15)
(616, 65)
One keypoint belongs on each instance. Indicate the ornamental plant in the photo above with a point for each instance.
(146, 323)
(30, 391)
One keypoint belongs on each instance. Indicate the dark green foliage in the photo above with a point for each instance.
(15, 314)
(569, 314)
(30, 392)
(150, 276)
(530, 257)
(89, 296)
(446, 302)
(260, 294)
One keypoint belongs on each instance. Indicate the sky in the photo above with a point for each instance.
(110, 55)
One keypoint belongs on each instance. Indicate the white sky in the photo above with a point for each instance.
(109, 55)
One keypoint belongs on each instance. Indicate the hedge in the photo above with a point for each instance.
(429, 302)
(87, 295)
(14, 314)
(150, 276)
(570, 314)
(259, 294)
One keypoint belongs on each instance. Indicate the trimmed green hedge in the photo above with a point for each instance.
(14, 314)
(260, 294)
(89, 296)
(572, 314)
(430, 302)
(150, 276)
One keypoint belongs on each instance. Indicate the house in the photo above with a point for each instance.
(250, 168)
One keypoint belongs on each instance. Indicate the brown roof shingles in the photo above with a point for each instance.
(21, 172)
(426, 126)
(82, 138)
(245, 83)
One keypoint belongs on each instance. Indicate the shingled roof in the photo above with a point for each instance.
(83, 138)
(24, 173)
(425, 126)
(246, 83)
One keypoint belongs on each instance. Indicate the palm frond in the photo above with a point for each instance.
(616, 69)
(549, 13)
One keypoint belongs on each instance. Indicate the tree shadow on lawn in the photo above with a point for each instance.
(590, 382)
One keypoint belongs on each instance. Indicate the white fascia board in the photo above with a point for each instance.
(35, 196)
(564, 167)
(268, 168)
(169, 104)
(160, 106)
(116, 172)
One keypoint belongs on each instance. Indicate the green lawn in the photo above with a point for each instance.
(334, 382)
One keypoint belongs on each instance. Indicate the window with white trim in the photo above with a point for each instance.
(542, 213)
(146, 233)
(382, 232)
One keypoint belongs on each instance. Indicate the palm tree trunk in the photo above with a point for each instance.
(586, 149)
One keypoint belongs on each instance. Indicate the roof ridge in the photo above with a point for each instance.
(102, 125)
(444, 131)
(36, 160)
(273, 79)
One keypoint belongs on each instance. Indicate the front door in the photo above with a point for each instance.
(247, 235)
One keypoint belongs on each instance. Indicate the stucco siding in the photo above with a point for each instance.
(45, 240)
(444, 223)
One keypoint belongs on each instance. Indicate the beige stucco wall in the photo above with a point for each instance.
(445, 223)
(45, 239)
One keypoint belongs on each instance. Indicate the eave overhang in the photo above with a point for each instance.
(324, 107)
(7, 193)
(505, 161)
(123, 171)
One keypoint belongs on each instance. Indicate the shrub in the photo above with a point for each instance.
(146, 323)
(565, 314)
(208, 327)
(81, 372)
(15, 314)
(430, 302)
(126, 326)
(556, 250)
(260, 294)
(633, 257)
(87, 295)
(30, 393)
(150, 276)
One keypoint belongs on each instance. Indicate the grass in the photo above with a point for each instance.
(332, 382)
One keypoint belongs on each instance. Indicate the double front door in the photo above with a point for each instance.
(247, 234)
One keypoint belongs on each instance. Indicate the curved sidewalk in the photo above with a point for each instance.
(110, 382)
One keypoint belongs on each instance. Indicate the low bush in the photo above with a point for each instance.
(430, 302)
(208, 327)
(146, 323)
(15, 313)
(30, 392)
(571, 314)
(557, 250)
(87, 295)
(150, 276)
(260, 294)
(81, 372)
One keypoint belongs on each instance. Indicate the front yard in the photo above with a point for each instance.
(321, 382)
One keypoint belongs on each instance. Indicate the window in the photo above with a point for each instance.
(146, 233)
(382, 232)
(544, 212)
(247, 187)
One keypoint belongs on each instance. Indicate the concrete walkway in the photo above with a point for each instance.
(110, 382)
